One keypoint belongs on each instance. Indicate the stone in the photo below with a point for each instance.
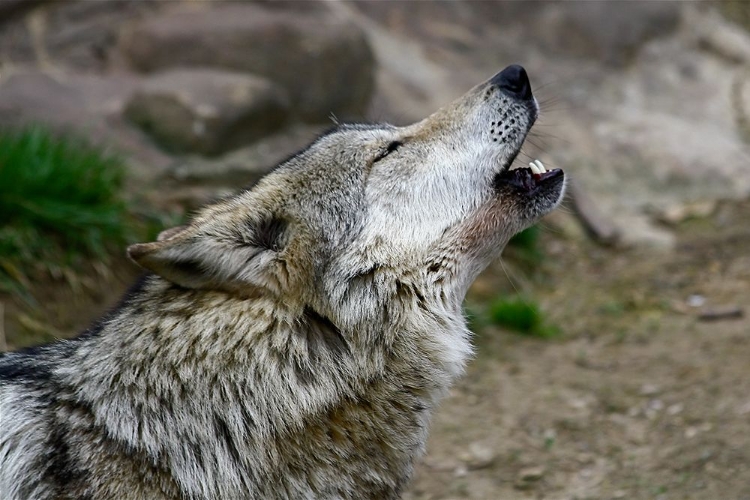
(37, 96)
(597, 226)
(714, 34)
(722, 313)
(478, 456)
(528, 477)
(245, 166)
(67, 34)
(192, 181)
(531, 473)
(207, 111)
(9, 9)
(86, 106)
(324, 62)
(678, 213)
(656, 161)
(409, 86)
(83, 35)
(611, 32)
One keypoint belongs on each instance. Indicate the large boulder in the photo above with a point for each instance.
(323, 61)
(87, 106)
(192, 180)
(207, 111)
(9, 9)
(77, 34)
(610, 32)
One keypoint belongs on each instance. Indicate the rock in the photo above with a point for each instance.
(675, 409)
(696, 300)
(409, 86)
(83, 105)
(531, 473)
(461, 471)
(478, 456)
(649, 389)
(12, 8)
(611, 32)
(83, 35)
(528, 476)
(245, 166)
(321, 60)
(597, 226)
(665, 135)
(38, 97)
(714, 34)
(206, 111)
(65, 34)
(721, 313)
(653, 161)
(679, 213)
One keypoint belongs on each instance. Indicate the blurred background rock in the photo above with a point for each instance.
(644, 104)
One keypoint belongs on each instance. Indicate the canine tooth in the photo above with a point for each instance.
(540, 166)
(534, 168)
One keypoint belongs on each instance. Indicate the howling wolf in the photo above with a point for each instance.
(291, 341)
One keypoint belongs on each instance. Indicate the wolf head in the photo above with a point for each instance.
(430, 204)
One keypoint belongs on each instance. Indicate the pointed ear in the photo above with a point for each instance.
(168, 233)
(228, 257)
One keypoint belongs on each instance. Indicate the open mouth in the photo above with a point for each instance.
(528, 179)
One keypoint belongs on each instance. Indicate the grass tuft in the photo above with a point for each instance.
(528, 239)
(525, 248)
(521, 315)
(60, 203)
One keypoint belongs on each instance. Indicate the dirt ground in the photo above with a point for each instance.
(638, 398)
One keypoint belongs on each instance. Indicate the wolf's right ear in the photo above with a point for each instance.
(168, 233)
(231, 260)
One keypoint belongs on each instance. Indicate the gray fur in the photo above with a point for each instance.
(290, 342)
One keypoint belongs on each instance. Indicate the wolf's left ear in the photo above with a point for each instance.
(236, 259)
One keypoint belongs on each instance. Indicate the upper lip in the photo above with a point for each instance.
(507, 164)
(531, 111)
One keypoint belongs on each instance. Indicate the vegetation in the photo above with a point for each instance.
(524, 248)
(528, 240)
(517, 311)
(60, 201)
(521, 315)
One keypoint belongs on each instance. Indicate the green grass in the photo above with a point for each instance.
(60, 203)
(528, 240)
(525, 248)
(522, 315)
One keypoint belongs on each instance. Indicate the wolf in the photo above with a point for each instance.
(291, 341)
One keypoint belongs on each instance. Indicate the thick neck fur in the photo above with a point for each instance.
(275, 383)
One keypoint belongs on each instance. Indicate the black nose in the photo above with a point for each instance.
(514, 82)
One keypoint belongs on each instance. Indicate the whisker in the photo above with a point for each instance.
(550, 228)
(557, 109)
(546, 137)
(541, 139)
(507, 275)
(528, 140)
(550, 100)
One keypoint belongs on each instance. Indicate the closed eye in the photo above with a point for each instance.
(393, 146)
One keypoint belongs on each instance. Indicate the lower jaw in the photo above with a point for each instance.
(527, 180)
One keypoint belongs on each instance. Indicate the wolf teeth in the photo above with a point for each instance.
(537, 167)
